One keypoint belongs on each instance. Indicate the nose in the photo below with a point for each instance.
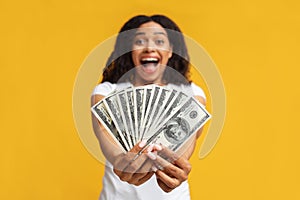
(150, 46)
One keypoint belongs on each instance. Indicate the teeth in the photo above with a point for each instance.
(150, 59)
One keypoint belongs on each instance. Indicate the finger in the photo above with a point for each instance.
(163, 186)
(145, 178)
(139, 178)
(124, 160)
(173, 171)
(154, 147)
(160, 162)
(168, 154)
(138, 149)
(139, 146)
(157, 147)
(170, 182)
(118, 172)
(133, 166)
(121, 161)
(144, 147)
(150, 148)
(146, 167)
(172, 157)
(135, 171)
(184, 164)
(152, 155)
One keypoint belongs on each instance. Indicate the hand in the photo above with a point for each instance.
(171, 174)
(135, 170)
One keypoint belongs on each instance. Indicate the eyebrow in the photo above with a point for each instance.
(155, 33)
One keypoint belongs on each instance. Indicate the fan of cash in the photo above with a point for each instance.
(165, 115)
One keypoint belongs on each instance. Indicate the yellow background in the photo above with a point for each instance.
(255, 45)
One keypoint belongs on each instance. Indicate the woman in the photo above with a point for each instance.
(154, 50)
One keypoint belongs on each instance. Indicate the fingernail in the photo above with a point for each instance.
(150, 148)
(151, 155)
(159, 167)
(154, 168)
(158, 147)
(142, 143)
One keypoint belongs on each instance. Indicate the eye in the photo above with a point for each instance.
(159, 42)
(139, 42)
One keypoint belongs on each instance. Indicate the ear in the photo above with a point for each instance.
(170, 52)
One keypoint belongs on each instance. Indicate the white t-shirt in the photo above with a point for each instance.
(115, 189)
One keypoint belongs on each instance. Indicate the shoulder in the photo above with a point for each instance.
(104, 88)
(192, 89)
(198, 91)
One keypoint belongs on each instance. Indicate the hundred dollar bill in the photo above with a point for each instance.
(156, 91)
(100, 112)
(147, 99)
(161, 105)
(178, 128)
(130, 104)
(125, 113)
(139, 103)
(174, 104)
(113, 109)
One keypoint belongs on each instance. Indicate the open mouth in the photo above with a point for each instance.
(147, 62)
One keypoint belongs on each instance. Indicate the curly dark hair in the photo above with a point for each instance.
(120, 60)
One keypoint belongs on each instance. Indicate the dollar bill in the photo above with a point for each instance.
(130, 104)
(139, 102)
(100, 112)
(166, 105)
(125, 114)
(174, 104)
(178, 128)
(162, 103)
(113, 109)
(148, 95)
(156, 92)
(163, 114)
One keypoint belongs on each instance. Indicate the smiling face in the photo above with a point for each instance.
(151, 51)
